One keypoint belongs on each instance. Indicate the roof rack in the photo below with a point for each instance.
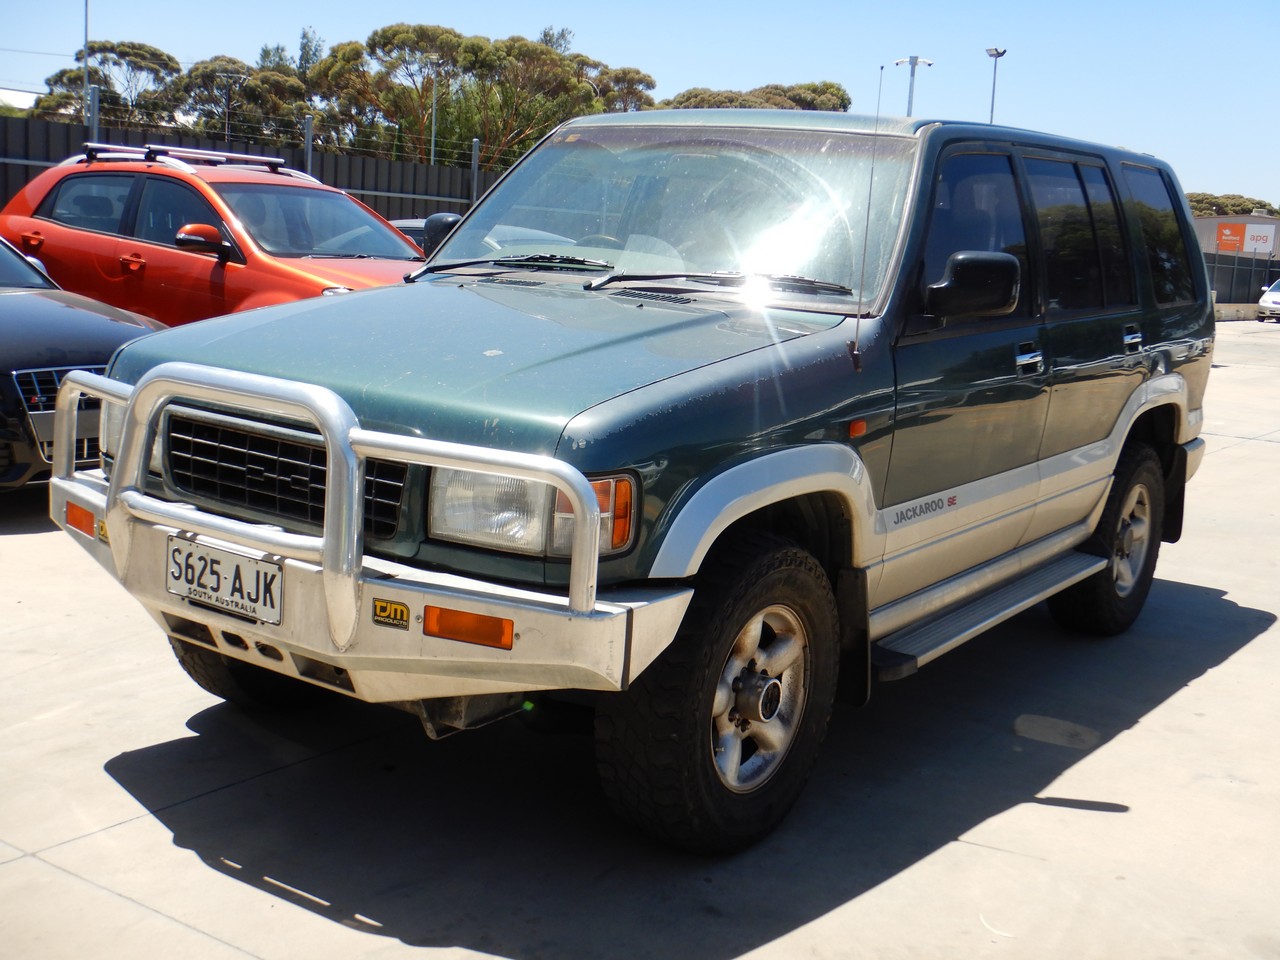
(175, 156)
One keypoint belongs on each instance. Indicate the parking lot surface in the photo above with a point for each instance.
(1032, 794)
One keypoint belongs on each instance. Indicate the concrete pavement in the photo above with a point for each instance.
(1032, 795)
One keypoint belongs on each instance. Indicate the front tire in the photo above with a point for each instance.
(243, 684)
(713, 743)
(1129, 534)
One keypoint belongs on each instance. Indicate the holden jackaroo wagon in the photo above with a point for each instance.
(695, 411)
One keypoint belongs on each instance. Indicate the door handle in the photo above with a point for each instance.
(1132, 339)
(33, 240)
(133, 262)
(1029, 360)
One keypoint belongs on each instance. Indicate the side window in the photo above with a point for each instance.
(1117, 269)
(1073, 273)
(1162, 237)
(976, 207)
(1085, 260)
(166, 206)
(90, 202)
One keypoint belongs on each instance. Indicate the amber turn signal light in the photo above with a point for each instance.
(468, 627)
(78, 518)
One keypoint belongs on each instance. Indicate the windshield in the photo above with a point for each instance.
(17, 271)
(665, 200)
(291, 221)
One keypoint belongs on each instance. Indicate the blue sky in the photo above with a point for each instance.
(1192, 83)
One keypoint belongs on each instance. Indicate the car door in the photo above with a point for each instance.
(75, 230)
(972, 393)
(162, 280)
(1094, 337)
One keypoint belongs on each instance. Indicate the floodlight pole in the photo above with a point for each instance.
(914, 61)
(85, 99)
(995, 54)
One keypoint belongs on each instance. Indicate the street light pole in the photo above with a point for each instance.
(86, 61)
(995, 54)
(911, 89)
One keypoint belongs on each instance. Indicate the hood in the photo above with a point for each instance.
(54, 328)
(497, 362)
(353, 272)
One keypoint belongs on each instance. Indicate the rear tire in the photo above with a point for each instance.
(242, 683)
(1128, 534)
(713, 743)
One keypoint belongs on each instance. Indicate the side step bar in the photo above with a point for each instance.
(901, 654)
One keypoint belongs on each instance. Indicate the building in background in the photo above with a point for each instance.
(1241, 254)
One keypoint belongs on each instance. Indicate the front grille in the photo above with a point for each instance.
(39, 388)
(266, 470)
(87, 450)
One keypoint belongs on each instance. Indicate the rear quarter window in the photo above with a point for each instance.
(1162, 238)
(90, 202)
(1086, 261)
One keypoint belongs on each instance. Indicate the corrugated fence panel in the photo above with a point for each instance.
(394, 188)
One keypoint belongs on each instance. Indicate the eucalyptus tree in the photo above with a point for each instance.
(133, 80)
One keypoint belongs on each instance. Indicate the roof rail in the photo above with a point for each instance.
(153, 152)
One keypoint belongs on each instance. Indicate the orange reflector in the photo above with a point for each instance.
(468, 627)
(81, 519)
(857, 428)
(621, 514)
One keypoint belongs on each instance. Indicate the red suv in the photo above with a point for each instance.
(180, 235)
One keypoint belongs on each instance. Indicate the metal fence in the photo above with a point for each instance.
(396, 189)
(1239, 278)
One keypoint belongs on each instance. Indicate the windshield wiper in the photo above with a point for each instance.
(806, 284)
(729, 279)
(551, 260)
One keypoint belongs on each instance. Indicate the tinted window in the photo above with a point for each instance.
(91, 202)
(976, 207)
(1073, 275)
(166, 206)
(1162, 239)
(1117, 271)
(1086, 262)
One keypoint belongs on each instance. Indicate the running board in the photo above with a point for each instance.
(901, 654)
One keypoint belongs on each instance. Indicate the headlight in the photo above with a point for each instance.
(503, 513)
(110, 426)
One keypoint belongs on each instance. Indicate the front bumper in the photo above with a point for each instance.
(333, 628)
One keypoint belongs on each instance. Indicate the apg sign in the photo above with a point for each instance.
(1246, 238)
(1260, 238)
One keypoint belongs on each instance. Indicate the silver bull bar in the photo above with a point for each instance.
(338, 551)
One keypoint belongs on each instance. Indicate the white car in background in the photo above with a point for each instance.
(1269, 305)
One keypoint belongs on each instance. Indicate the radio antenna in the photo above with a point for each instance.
(854, 350)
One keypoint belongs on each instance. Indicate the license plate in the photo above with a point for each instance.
(228, 581)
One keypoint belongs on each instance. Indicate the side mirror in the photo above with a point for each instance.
(436, 228)
(202, 238)
(975, 284)
(36, 262)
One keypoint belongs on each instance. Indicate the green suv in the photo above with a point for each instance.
(694, 413)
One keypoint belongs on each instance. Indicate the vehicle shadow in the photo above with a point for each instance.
(499, 841)
(25, 510)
